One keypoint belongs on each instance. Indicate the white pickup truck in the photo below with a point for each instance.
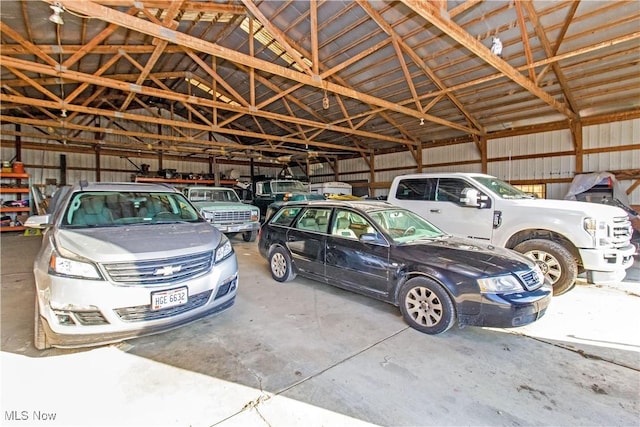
(565, 237)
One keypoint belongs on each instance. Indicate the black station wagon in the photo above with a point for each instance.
(391, 254)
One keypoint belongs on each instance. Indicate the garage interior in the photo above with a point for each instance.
(533, 92)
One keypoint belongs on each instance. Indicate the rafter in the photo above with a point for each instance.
(91, 9)
(432, 15)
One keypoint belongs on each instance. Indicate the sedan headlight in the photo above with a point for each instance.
(224, 249)
(500, 285)
(62, 266)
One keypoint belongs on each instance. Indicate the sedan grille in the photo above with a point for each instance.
(231, 216)
(161, 270)
(144, 312)
(529, 279)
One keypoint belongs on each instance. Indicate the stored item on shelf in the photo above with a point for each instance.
(18, 167)
(16, 203)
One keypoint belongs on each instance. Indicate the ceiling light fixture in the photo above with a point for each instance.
(496, 47)
(421, 121)
(325, 101)
(55, 17)
(63, 113)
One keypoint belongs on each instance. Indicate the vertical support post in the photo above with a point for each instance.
(483, 154)
(160, 167)
(419, 158)
(98, 168)
(216, 173)
(18, 142)
(372, 174)
(63, 169)
(576, 134)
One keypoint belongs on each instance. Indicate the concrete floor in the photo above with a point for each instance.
(302, 353)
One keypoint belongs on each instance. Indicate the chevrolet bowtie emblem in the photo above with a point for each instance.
(167, 271)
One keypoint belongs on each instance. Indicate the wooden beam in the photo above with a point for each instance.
(127, 87)
(525, 39)
(428, 12)
(277, 34)
(387, 28)
(92, 9)
(167, 122)
(541, 33)
(30, 47)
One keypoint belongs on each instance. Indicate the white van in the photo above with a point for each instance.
(332, 188)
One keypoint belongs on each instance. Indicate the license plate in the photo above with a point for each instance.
(169, 298)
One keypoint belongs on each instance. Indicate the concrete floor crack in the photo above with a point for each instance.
(340, 362)
(581, 352)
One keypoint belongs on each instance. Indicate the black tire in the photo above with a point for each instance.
(249, 236)
(426, 306)
(40, 340)
(280, 265)
(557, 263)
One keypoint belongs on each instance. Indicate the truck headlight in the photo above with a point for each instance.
(597, 230)
(499, 285)
(61, 266)
(255, 215)
(224, 250)
(208, 215)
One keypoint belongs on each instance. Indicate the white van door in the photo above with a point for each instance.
(441, 201)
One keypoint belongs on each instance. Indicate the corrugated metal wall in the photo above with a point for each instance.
(505, 153)
(507, 163)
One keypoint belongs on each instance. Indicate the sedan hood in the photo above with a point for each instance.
(465, 256)
(128, 243)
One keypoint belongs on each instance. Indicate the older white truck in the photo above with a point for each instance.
(565, 237)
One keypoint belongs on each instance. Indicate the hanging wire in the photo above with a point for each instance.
(59, 40)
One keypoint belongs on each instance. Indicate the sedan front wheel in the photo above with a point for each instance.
(426, 306)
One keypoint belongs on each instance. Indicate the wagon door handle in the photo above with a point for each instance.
(434, 210)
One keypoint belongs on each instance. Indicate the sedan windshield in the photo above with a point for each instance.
(107, 208)
(404, 226)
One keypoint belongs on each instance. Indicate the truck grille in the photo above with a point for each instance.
(529, 279)
(620, 231)
(232, 216)
(161, 270)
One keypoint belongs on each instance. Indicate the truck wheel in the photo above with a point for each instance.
(281, 265)
(40, 341)
(426, 306)
(557, 263)
(249, 236)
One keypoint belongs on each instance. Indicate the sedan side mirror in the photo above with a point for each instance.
(372, 238)
(38, 221)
